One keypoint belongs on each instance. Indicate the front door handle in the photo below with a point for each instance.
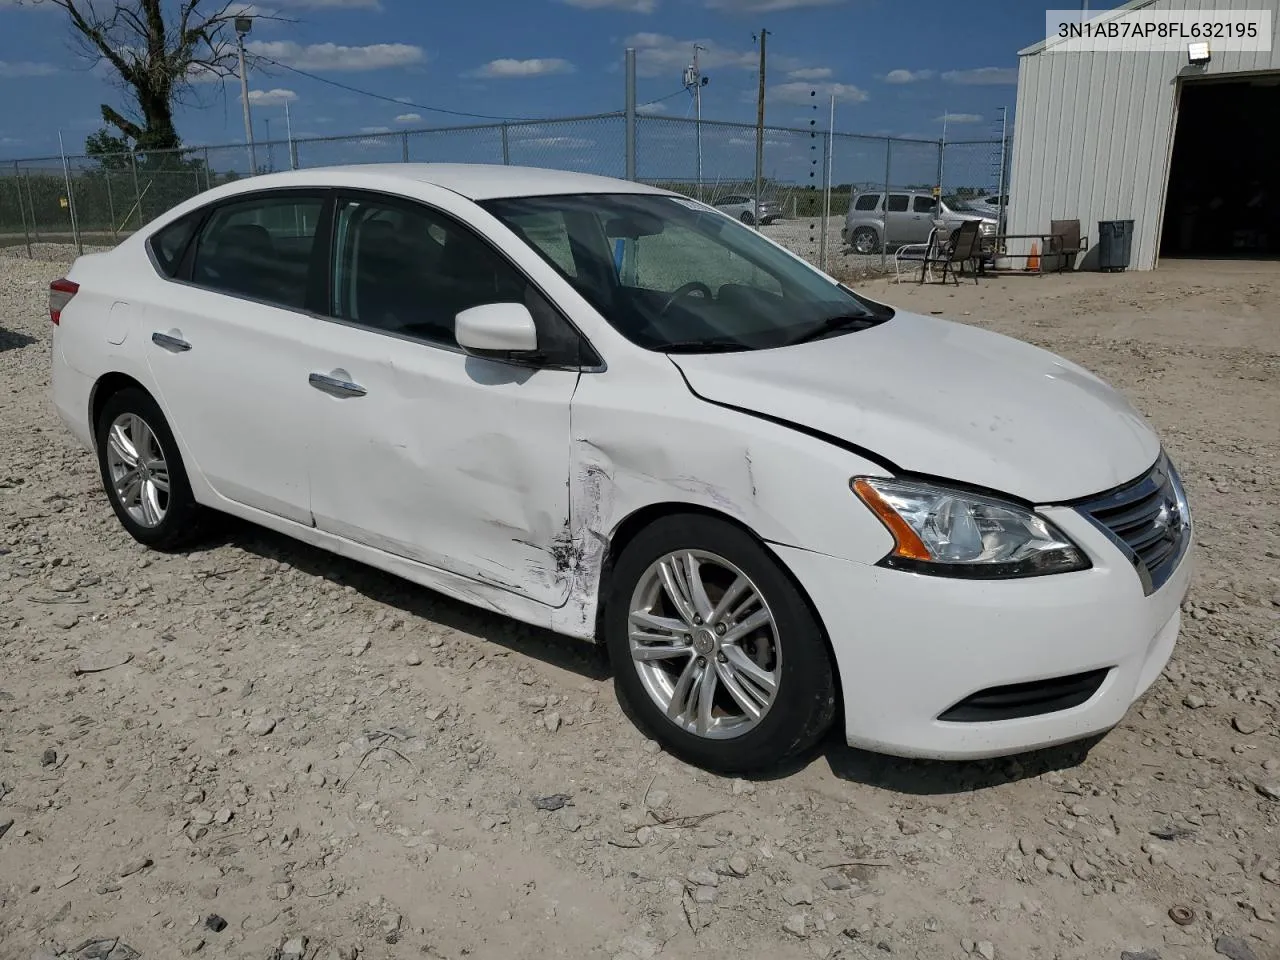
(336, 384)
(170, 342)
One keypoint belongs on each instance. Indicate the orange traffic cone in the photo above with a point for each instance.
(1033, 260)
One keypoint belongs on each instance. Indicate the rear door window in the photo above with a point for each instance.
(170, 243)
(260, 248)
(925, 204)
(898, 203)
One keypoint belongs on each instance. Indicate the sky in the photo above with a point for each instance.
(895, 66)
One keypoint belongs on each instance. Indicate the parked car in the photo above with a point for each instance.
(741, 208)
(607, 410)
(908, 217)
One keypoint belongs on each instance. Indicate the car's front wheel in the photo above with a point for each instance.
(715, 649)
(143, 473)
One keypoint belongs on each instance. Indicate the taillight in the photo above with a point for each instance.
(60, 294)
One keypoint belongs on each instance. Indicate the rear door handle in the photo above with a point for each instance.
(336, 384)
(170, 342)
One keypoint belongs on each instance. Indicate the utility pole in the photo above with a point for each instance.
(243, 26)
(1004, 129)
(288, 132)
(631, 113)
(694, 81)
(760, 129)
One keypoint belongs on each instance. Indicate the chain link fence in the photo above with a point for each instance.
(809, 172)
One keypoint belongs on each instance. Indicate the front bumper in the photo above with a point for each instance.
(909, 647)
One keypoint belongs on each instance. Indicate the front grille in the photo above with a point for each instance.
(1018, 700)
(1148, 520)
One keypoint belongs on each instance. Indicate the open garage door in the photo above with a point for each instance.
(1224, 177)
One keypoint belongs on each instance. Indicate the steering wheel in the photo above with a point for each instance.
(695, 286)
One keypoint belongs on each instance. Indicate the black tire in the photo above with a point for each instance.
(748, 219)
(865, 241)
(805, 703)
(181, 523)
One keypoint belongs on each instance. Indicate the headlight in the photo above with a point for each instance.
(954, 533)
(987, 228)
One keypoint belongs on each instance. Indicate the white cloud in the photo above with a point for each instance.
(375, 130)
(908, 76)
(334, 57)
(651, 109)
(799, 92)
(660, 55)
(628, 6)
(409, 118)
(982, 76)
(767, 6)
(959, 118)
(25, 68)
(508, 68)
(811, 73)
(271, 98)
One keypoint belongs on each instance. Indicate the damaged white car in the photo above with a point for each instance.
(613, 412)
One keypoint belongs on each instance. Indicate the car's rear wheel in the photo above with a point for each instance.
(714, 647)
(143, 473)
(865, 241)
(747, 218)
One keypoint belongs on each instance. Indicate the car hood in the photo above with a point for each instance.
(946, 400)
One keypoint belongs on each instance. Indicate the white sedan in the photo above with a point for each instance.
(614, 412)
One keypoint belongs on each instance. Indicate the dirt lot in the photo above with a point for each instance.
(332, 761)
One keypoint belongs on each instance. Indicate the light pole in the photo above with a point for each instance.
(693, 79)
(243, 26)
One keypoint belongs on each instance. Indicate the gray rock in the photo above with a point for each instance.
(702, 877)
(795, 924)
(835, 881)
(223, 816)
(1268, 788)
(739, 866)
(986, 950)
(1139, 955)
(1195, 702)
(129, 868)
(743, 788)
(5, 827)
(1246, 723)
(292, 949)
(705, 894)
(192, 946)
(361, 647)
(552, 721)
(1234, 948)
(798, 894)
(1083, 869)
(261, 726)
(413, 660)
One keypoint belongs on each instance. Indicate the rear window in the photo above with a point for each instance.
(868, 201)
(169, 244)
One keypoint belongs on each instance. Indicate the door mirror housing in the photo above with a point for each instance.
(499, 331)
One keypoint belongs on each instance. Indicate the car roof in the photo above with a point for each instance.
(476, 181)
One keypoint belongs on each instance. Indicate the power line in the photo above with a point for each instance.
(418, 106)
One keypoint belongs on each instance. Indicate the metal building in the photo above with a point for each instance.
(1190, 151)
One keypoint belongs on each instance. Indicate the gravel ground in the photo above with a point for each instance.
(331, 762)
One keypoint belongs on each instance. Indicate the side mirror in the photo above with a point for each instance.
(497, 330)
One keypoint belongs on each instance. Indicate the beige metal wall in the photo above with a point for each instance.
(1093, 131)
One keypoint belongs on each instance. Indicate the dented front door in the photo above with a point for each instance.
(453, 461)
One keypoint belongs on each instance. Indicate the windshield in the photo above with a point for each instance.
(674, 276)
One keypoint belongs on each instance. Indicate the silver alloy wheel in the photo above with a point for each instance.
(138, 469)
(864, 241)
(705, 644)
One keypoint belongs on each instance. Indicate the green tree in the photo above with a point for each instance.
(156, 50)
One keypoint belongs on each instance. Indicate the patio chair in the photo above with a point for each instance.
(917, 253)
(965, 247)
(1068, 243)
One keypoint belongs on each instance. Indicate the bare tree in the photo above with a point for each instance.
(157, 49)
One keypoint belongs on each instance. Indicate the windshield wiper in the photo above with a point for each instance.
(705, 345)
(836, 324)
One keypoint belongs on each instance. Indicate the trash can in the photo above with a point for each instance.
(1115, 242)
